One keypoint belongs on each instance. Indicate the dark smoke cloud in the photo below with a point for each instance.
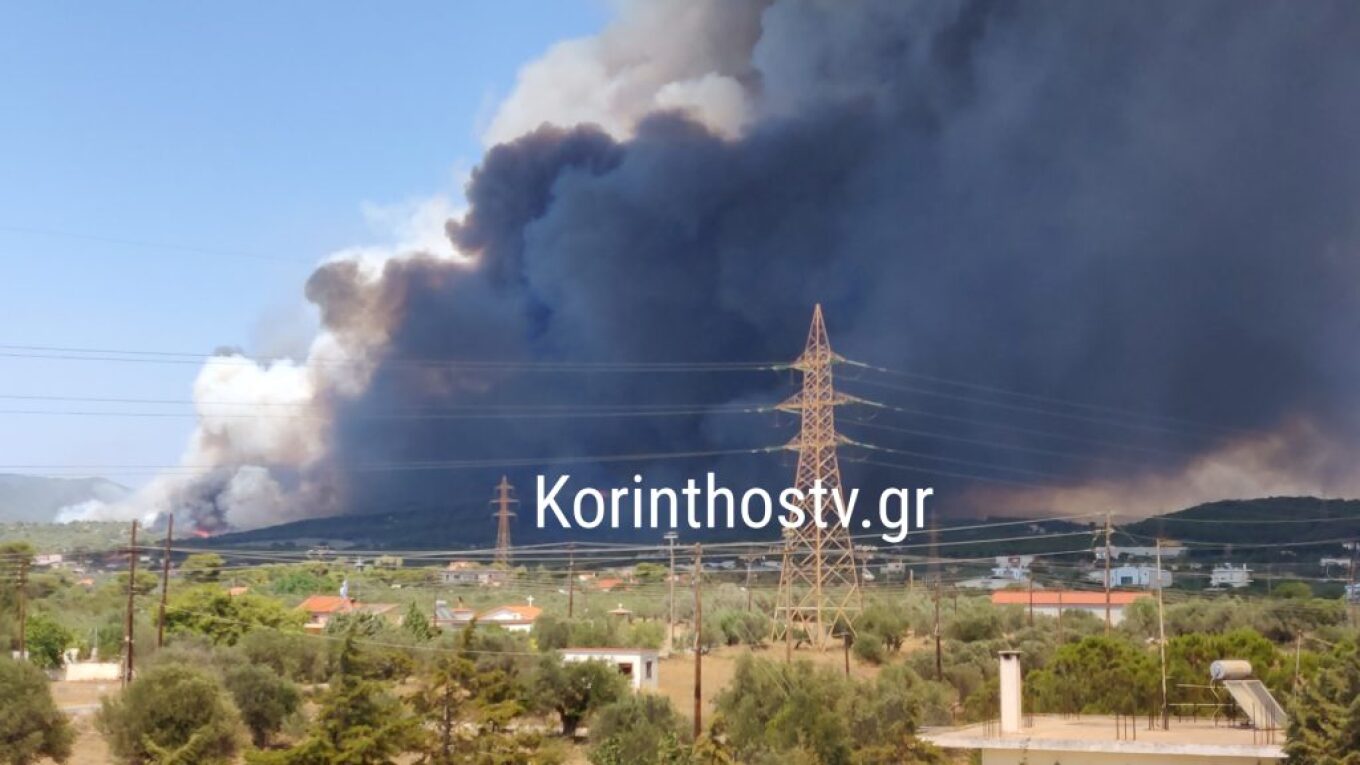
(1151, 205)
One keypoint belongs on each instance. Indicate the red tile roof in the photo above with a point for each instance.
(1065, 597)
(326, 604)
(525, 613)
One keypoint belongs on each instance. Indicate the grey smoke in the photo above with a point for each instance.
(1152, 205)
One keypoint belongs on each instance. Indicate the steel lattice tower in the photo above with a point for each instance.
(819, 587)
(503, 500)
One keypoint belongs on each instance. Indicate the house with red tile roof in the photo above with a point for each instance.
(321, 609)
(1053, 602)
(515, 618)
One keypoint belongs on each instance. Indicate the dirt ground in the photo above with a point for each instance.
(677, 672)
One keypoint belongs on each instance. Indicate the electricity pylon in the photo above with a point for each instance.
(503, 500)
(819, 589)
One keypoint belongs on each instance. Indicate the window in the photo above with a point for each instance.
(648, 673)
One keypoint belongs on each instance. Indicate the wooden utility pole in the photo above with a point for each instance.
(165, 583)
(1031, 600)
(1353, 597)
(1107, 573)
(128, 620)
(698, 644)
(939, 656)
(1161, 637)
(571, 579)
(670, 624)
(23, 608)
(750, 558)
(1060, 633)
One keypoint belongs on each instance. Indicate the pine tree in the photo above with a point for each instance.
(418, 624)
(1324, 721)
(358, 723)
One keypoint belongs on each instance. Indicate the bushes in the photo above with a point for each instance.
(31, 726)
(869, 647)
(171, 714)
(743, 627)
(296, 656)
(638, 729)
(1098, 675)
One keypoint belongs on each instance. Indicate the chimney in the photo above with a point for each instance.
(1010, 691)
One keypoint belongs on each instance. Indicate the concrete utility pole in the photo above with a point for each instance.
(698, 644)
(503, 500)
(819, 583)
(1107, 573)
(128, 620)
(165, 584)
(1161, 637)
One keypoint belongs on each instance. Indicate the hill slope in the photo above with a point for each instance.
(37, 499)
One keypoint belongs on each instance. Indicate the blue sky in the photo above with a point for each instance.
(258, 128)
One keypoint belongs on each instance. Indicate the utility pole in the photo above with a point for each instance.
(23, 608)
(939, 656)
(571, 579)
(128, 621)
(698, 644)
(1060, 610)
(670, 537)
(503, 500)
(1161, 637)
(165, 583)
(819, 583)
(845, 641)
(750, 558)
(1107, 573)
(1031, 600)
(1352, 593)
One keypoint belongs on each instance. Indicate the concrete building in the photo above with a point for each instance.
(1141, 553)
(1016, 738)
(642, 666)
(1146, 577)
(468, 572)
(1229, 576)
(1051, 602)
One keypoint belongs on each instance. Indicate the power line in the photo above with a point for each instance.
(239, 359)
(1037, 397)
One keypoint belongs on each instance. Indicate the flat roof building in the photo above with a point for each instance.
(1016, 738)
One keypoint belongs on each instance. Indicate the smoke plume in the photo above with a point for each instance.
(1146, 206)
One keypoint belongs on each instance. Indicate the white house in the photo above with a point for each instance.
(1147, 577)
(1228, 576)
(1144, 553)
(1016, 738)
(1009, 570)
(642, 666)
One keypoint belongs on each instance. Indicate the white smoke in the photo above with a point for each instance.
(256, 416)
(660, 54)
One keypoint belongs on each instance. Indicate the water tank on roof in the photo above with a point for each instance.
(1230, 669)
